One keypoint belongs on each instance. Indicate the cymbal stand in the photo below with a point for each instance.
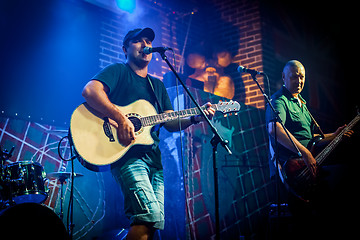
(62, 181)
(5, 155)
(70, 215)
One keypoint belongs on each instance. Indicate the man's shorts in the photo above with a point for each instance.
(143, 190)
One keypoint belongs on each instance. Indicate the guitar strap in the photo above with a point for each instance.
(316, 124)
(156, 98)
(157, 128)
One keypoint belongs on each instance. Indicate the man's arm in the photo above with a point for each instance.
(173, 126)
(283, 139)
(330, 136)
(95, 94)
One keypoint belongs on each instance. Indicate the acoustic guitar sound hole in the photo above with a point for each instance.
(136, 122)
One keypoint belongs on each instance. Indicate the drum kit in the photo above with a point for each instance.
(23, 189)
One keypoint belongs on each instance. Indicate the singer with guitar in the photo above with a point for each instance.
(302, 129)
(140, 174)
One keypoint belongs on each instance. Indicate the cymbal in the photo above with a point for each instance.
(62, 175)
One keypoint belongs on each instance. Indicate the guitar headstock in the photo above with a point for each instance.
(228, 107)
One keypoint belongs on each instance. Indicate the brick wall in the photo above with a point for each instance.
(169, 27)
(114, 28)
(111, 41)
(238, 26)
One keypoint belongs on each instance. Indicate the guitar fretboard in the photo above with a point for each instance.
(320, 158)
(328, 149)
(165, 117)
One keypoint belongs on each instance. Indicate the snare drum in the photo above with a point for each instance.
(26, 181)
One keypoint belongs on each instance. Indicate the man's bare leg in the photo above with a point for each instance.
(140, 232)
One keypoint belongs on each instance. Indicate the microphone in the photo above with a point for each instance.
(148, 50)
(242, 69)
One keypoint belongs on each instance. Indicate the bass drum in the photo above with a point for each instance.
(31, 221)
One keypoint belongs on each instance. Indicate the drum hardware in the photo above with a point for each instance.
(62, 176)
(5, 201)
(5, 155)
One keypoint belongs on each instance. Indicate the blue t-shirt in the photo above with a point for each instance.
(125, 88)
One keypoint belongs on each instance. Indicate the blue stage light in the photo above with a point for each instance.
(126, 5)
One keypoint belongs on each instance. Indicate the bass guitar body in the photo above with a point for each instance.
(298, 176)
(299, 179)
(296, 170)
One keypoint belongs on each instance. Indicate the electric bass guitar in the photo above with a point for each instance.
(297, 174)
(95, 137)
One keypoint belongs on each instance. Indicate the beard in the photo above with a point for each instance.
(139, 60)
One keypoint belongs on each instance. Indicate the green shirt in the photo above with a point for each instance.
(296, 119)
(125, 88)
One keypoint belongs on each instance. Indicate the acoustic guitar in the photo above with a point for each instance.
(95, 137)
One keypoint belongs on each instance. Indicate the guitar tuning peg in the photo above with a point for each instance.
(230, 114)
(236, 114)
(225, 115)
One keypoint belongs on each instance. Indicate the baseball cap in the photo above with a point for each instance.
(143, 32)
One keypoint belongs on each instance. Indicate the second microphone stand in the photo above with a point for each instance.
(214, 142)
(276, 120)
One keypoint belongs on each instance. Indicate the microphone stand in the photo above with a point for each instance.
(214, 142)
(277, 119)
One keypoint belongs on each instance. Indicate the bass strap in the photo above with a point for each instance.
(316, 124)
